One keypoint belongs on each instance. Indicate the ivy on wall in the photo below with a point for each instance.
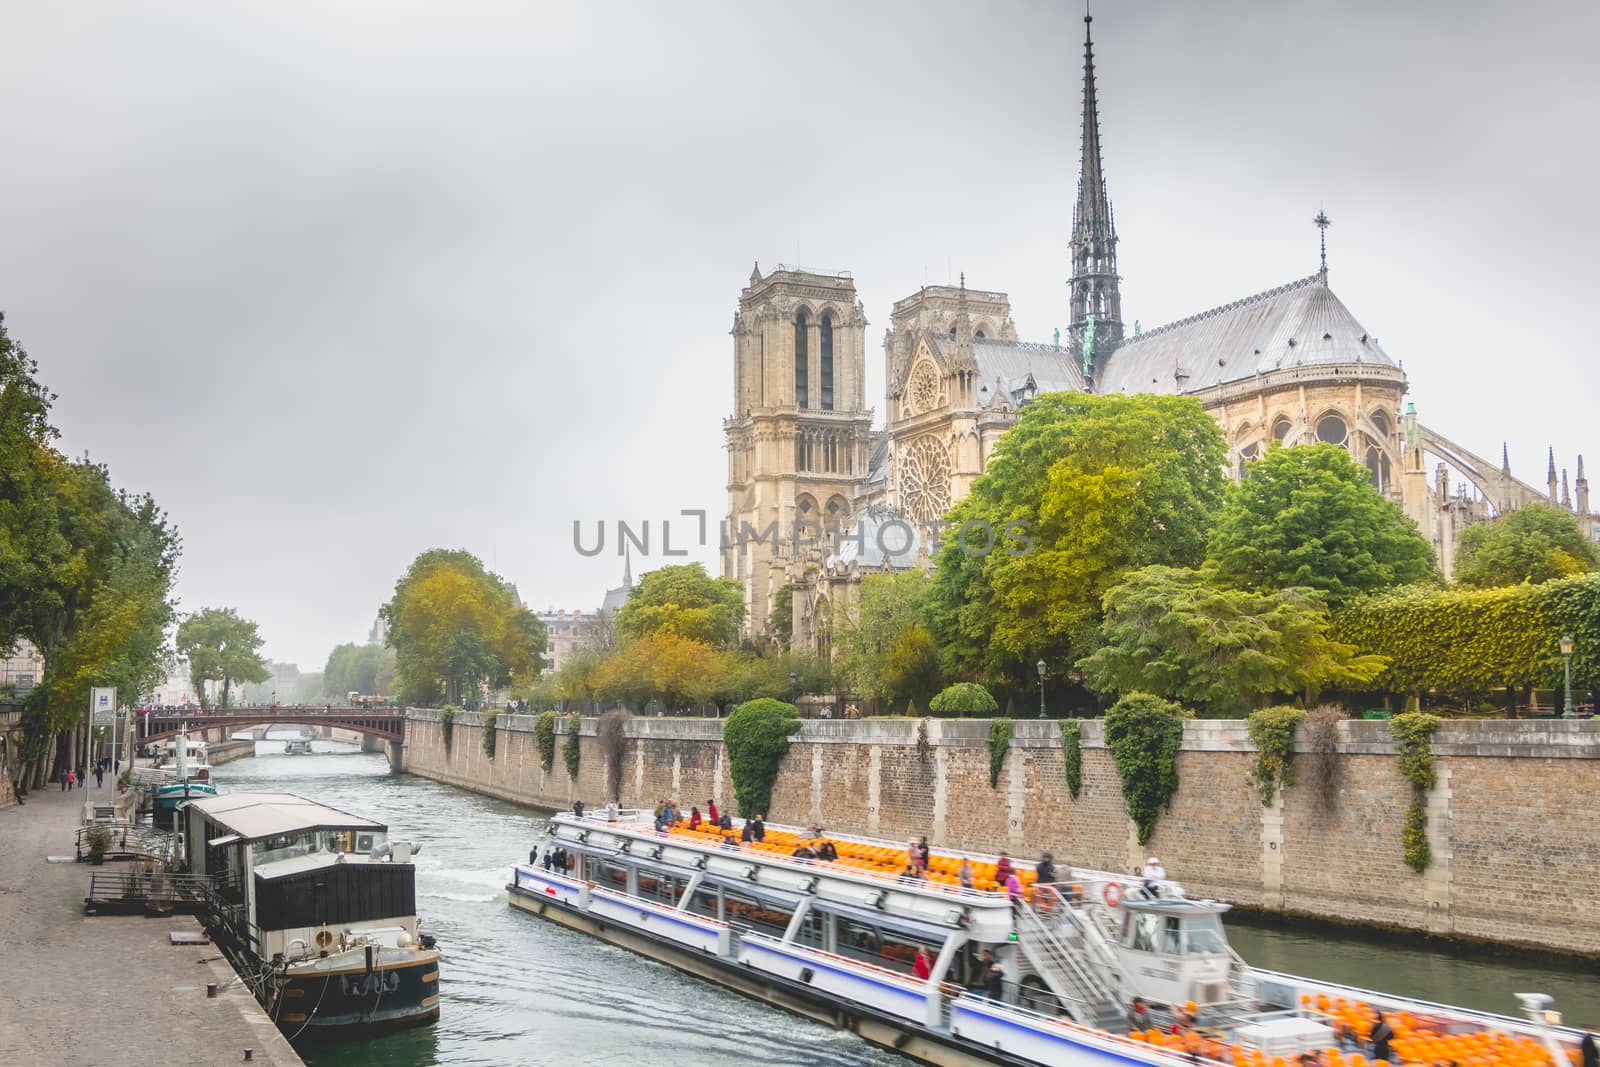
(1144, 734)
(1072, 754)
(489, 731)
(544, 735)
(447, 723)
(999, 743)
(569, 749)
(1272, 731)
(1413, 734)
(757, 736)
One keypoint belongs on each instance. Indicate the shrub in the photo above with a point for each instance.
(999, 744)
(1272, 730)
(489, 730)
(1072, 754)
(1144, 734)
(1415, 836)
(569, 750)
(447, 723)
(544, 735)
(963, 698)
(757, 736)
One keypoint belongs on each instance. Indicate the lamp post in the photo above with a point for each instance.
(1041, 688)
(794, 687)
(1566, 654)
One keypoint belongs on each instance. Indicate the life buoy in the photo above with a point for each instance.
(1113, 894)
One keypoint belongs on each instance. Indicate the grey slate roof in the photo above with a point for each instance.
(1301, 324)
(1052, 368)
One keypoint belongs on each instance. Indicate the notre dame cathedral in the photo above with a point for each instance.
(1291, 364)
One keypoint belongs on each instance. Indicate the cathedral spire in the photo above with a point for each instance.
(1551, 477)
(1323, 222)
(1095, 296)
(1505, 458)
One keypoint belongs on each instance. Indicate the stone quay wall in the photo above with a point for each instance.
(1512, 822)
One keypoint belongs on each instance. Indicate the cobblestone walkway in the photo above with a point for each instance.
(103, 990)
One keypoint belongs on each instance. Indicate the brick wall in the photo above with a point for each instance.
(1512, 826)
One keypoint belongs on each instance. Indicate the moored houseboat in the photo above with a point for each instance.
(1095, 967)
(316, 908)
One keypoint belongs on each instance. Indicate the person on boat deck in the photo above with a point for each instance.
(964, 876)
(804, 851)
(994, 985)
(1183, 1016)
(913, 856)
(1138, 1015)
(711, 813)
(577, 808)
(1382, 1034)
(1013, 889)
(612, 811)
(1589, 1051)
(758, 828)
(725, 822)
(923, 852)
(748, 834)
(1046, 870)
(1154, 874)
(826, 851)
(694, 818)
(922, 966)
(1002, 868)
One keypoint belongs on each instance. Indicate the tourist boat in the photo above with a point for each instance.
(297, 746)
(188, 779)
(837, 940)
(317, 909)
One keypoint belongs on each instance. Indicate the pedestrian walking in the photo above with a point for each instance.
(64, 780)
(72, 780)
(99, 777)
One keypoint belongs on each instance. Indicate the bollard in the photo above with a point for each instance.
(211, 990)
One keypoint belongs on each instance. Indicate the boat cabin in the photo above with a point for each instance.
(296, 878)
(1176, 949)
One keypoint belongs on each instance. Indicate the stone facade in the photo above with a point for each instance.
(1513, 856)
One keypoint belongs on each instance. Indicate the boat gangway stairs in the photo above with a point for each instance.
(1068, 953)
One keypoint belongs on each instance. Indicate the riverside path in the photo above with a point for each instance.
(107, 989)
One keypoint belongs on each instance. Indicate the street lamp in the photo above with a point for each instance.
(794, 687)
(1566, 654)
(1041, 688)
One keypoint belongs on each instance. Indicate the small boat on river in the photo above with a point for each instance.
(188, 779)
(316, 909)
(958, 976)
(297, 746)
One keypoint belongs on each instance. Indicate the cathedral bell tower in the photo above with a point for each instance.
(1096, 326)
(800, 431)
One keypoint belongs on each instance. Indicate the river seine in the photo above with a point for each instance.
(516, 990)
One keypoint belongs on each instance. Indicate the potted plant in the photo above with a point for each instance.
(98, 839)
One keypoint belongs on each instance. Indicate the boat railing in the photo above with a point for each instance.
(154, 891)
(1138, 1050)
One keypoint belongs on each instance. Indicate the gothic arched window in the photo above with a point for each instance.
(1381, 421)
(827, 361)
(1331, 429)
(978, 336)
(801, 324)
(1280, 430)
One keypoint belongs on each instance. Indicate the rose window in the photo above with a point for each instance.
(925, 480)
(924, 388)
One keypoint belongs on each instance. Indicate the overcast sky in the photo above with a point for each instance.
(341, 283)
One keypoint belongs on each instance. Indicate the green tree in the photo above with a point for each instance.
(456, 628)
(1082, 490)
(1174, 633)
(221, 647)
(365, 669)
(782, 618)
(885, 650)
(1535, 543)
(1144, 734)
(686, 602)
(1310, 516)
(660, 666)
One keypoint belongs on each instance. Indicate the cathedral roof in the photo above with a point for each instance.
(1051, 367)
(1301, 324)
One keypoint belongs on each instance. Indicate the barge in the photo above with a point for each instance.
(944, 965)
(316, 909)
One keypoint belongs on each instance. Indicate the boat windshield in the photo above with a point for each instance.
(1202, 935)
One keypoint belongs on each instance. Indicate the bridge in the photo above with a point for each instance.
(379, 723)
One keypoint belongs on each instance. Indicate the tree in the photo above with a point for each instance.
(686, 602)
(352, 668)
(456, 628)
(757, 736)
(1535, 543)
(676, 670)
(1310, 516)
(221, 647)
(308, 690)
(884, 647)
(782, 618)
(1082, 490)
(1174, 633)
(85, 571)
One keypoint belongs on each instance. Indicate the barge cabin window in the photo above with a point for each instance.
(346, 893)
